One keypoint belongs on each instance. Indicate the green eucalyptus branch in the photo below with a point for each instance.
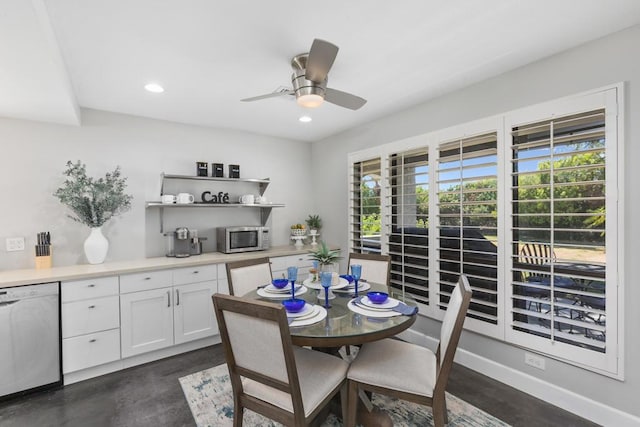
(93, 202)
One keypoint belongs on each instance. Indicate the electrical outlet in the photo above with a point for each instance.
(534, 360)
(15, 244)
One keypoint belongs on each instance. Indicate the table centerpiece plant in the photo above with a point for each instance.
(93, 203)
(325, 258)
(314, 222)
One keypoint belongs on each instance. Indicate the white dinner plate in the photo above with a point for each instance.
(388, 304)
(320, 313)
(280, 295)
(362, 286)
(371, 312)
(317, 285)
(306, 310)
(274, 290)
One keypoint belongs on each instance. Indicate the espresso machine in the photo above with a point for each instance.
(183, 242)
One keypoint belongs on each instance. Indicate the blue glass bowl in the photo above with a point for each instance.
(293, 305)
(279, 283)
(347, 277)
(377, 297)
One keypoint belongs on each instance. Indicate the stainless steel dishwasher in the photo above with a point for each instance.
(30, 354)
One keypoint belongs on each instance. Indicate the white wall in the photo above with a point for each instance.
(34, 156)
(606, 61)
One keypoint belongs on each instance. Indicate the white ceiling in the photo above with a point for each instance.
(58, 55)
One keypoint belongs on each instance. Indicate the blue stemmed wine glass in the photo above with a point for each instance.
(325, 281)
(292, 275)
(356, 271)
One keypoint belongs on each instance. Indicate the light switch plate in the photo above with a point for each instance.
(15, 244)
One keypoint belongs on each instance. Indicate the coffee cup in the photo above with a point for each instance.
(168, 198)
(185, 198)
(247, 199)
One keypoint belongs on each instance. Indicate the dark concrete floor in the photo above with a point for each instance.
(150, 395)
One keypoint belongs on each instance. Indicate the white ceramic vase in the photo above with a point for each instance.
(96, 246)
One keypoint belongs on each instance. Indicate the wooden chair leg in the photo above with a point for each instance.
(439, 412)
(238, 415)
(344, 401)
(352, 404)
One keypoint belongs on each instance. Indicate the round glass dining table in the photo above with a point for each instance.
(343, 326)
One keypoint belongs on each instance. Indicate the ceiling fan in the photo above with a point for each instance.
(309, 80)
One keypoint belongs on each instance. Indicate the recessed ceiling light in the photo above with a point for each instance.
(154, 87)
(305, 119)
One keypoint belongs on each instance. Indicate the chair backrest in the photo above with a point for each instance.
(452, 328)
(375, 268)
(245, 276)
(536, 253)
(257, 343)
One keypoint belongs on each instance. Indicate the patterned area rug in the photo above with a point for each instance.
(210, 399)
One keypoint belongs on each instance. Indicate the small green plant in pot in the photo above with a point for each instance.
(314, 222)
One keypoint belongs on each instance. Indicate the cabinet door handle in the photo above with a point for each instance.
(92, 306)
(147, 278)
(168, 298)
(93, 340)
(195, 272)
(177, 297)
(91, 285)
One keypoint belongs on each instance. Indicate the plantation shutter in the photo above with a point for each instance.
(407, 236)
(468, 222)
(365, 206)
(558, 230)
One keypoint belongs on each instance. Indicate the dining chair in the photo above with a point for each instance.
(246, 275)
(269, 375)
(536, 254)
(408, 371)
(375, 268)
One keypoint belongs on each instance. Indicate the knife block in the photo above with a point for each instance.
(44, 261)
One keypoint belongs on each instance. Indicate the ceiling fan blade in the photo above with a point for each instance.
(268, 95)
(321, 57)
(344, 99)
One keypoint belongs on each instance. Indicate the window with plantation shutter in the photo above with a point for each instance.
(365, 206)
(467, 224)
(558, 230)
(408, 234)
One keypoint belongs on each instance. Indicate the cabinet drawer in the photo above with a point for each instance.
(90, 288)
(145, 281)
(88, 316)
(281, 263)
(90, 350)
(201, 273)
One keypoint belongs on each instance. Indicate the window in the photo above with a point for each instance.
(408, 235)
(365, 202)
(468, 222)
(526, 205)
(558, 231)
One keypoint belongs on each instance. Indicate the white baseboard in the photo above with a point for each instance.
(550, 393)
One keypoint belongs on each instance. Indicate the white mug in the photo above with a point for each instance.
(168, 198)
(247, 199)
(185, 198)
(261, 200)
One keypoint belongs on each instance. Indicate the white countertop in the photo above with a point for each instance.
(11, 278)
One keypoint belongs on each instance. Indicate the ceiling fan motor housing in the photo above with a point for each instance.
(302, 86)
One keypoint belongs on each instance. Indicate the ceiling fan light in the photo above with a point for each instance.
(310, 100)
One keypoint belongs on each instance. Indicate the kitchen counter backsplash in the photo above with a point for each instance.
(11, 278)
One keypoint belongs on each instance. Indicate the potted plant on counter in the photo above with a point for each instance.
(314, 222)
(93, 203)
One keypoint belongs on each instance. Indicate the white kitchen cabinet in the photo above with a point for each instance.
(193, 316)
(90, 323)
(146, 321)
(153, 319)
(280, 264)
